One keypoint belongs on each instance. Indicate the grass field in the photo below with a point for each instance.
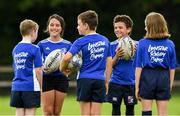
(71, 106)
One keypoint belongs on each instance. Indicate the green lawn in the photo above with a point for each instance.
(71, 107)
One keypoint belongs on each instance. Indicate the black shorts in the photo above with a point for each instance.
(155, 84)
(91, 90)
(55, 83)
(118, 92)
(25, 99)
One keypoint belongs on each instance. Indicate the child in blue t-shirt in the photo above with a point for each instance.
(96, 58)
(122, 81)
(155, 65)
(27, 63)
(55, 84)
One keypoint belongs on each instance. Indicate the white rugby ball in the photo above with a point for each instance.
(128, 46)
(53, 60)
(75, 63)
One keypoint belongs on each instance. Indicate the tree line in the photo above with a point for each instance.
(14, 11)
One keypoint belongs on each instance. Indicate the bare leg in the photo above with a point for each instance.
(58, 103)
(96, 108)
(48, 102)
(162, 107)
(146, 104)
(20, 111)
(85, 108)
(30, 111)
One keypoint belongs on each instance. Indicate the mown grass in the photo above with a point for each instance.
(71, 106)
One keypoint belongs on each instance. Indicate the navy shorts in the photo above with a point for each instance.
(118, 92)
(25, 99)
(91, 90)
(55, 83)
(155, 84)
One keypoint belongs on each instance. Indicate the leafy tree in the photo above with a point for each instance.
(14, 11)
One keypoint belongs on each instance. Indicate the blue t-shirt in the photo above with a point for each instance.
(123, 71)
(47, 46)
(156, 53)
(95, 49)
(26, 57)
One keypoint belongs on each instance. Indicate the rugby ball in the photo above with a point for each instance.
(53, 60)
(75, 63)
(128, 46)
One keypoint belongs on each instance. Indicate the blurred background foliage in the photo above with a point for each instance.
(14, 11)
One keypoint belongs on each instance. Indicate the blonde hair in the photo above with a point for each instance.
(156, 26)
(27, 26)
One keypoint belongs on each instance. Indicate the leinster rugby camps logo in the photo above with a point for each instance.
(157, 53)
(96, 50)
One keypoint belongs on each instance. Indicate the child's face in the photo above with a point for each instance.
(54, 27)
(120, 29)
(34, 35)
(81, 27)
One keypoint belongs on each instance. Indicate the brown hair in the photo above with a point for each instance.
(125, 19)
(90, 17)
(156, 26)
(27, 26)
(60, 19)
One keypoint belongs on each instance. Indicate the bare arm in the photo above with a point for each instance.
(114, 60)
(38, 72)
(108, 71)
(138, 76)
(65, 61)
(172, 73)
